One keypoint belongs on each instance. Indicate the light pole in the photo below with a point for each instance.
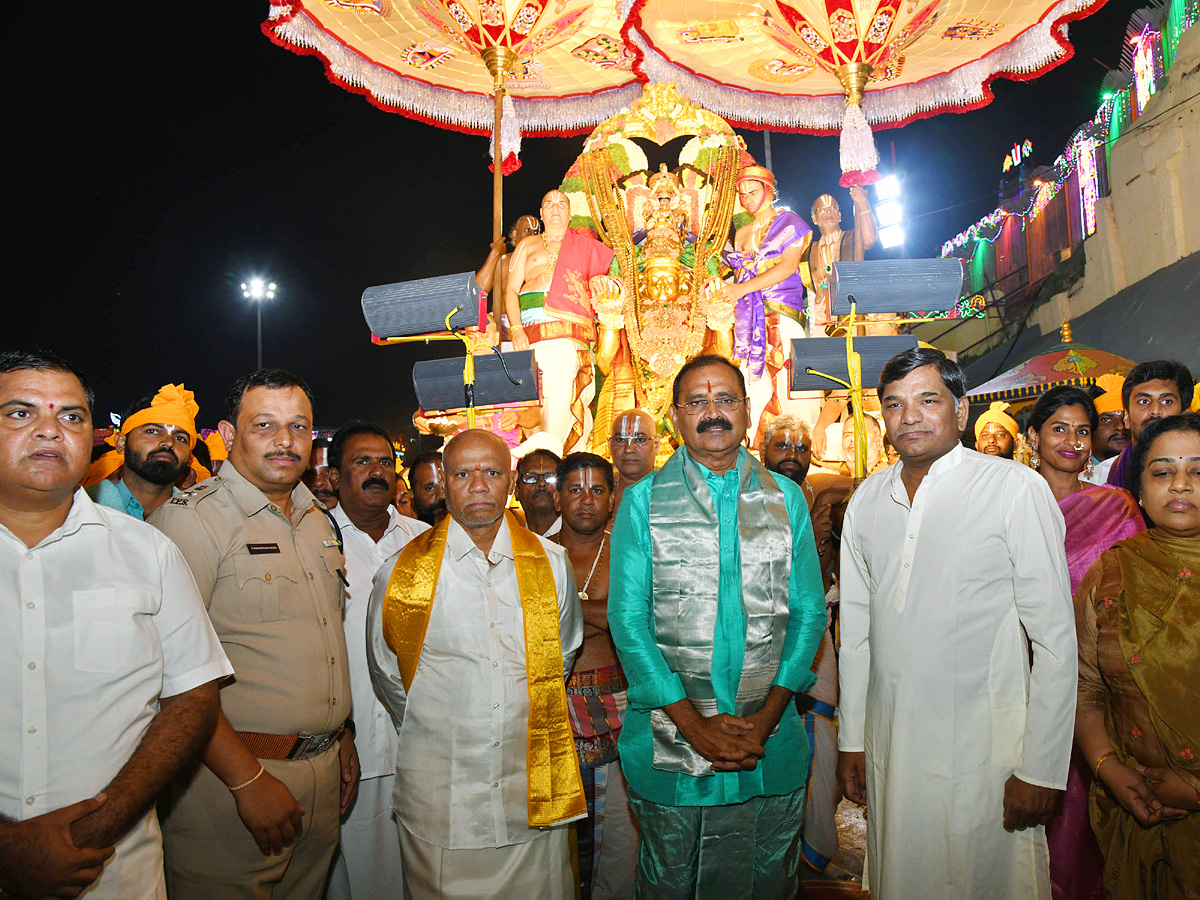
(259, 290)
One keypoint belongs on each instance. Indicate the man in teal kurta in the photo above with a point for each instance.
(716, 608)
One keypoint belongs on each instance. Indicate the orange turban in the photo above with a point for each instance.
(172, 405)
(997, 413)
(756, 173)
(102, 467)
(216, 447)
(1110, 400)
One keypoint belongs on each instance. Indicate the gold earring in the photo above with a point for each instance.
(1089, 468)
(1035, 462)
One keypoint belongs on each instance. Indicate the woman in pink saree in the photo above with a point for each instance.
(1060, 431)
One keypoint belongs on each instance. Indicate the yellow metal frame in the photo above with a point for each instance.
(854, 386)
(473, 342)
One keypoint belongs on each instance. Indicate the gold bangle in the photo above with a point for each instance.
(1100, 762)
(257, 775)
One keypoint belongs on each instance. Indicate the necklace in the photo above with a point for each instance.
(551, 255)
(583, 594)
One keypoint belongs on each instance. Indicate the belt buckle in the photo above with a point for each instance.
(300, 747)
(320, 743)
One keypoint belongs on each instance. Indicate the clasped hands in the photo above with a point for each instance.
(730, 743)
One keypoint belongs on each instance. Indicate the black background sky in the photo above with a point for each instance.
(166, 153)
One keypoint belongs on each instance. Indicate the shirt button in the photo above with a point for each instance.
(33, 665)
(497, 744)
(32, 729)
(324, 621)
(29, 801)
(495, 706)
(906, 565)
(331, 661)
(30, 605)
(491, 624)
(310, 575)
(495, 784)
(267, 576)
(29, 556)
(379, 715)
(494, 664)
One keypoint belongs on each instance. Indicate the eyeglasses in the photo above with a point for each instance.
(630, 440)
(724, 404)
(551, 478)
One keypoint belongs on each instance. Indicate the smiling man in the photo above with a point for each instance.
(109, 663)
(260, 818)
(471, 630)
(155, 446)
(716, 608)
(952, 562)
(362, 474)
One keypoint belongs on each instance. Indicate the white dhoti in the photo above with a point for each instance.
(558, 362)
(538, 870)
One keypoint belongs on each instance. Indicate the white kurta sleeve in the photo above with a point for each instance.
(854, 661)
(1036, 537)
(382, 662)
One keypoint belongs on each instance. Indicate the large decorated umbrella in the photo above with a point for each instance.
(818, 66)
(1068, 363)
(452, 62)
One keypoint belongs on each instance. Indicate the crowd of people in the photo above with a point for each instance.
(257, 665)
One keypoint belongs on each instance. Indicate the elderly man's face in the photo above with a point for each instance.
(478, 479)
(45, 437)
(827, 217)
(712, 415)
(633, 445)
(789, 453)
(995, 440)
(556, 210)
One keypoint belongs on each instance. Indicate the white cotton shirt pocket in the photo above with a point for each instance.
(113, 632)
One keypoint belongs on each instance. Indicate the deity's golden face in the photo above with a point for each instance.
(662, 284)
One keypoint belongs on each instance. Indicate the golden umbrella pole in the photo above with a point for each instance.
(499, 61)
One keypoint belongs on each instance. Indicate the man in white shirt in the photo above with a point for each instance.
(108, 659)
(952, 565)
(362, 474)
(470, 635)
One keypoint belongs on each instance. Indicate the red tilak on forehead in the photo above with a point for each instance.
(52, 406)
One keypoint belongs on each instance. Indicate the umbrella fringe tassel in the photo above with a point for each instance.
(859, 156)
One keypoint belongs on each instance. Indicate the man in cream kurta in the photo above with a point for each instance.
(461, 792)
(966, 747)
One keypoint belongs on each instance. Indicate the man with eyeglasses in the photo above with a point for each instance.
(537, 483)
(716, 609)
(633, 445)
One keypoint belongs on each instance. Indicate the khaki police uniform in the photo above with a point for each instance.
(272, 587)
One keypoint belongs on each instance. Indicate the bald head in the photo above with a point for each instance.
(556, 211)
(476, 440)
(478, 479)
(633, 444)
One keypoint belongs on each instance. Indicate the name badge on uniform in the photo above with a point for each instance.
(257, 549)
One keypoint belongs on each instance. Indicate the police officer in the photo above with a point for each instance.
(260, 817)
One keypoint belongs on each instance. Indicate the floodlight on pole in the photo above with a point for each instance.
(889, 213)
(887, 188)
(258, 290)
(892, 236)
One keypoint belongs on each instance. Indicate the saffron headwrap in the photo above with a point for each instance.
(216, 447)
(997, 413)
(756, 173)
(1110, 400)
(172, 405)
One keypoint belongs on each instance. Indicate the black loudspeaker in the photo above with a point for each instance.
(410, 308)
(828, 355)
(440, 388)
(896, 286)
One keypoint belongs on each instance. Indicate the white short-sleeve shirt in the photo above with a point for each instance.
(100, 620)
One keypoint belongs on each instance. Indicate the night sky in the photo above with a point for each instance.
(167, 153)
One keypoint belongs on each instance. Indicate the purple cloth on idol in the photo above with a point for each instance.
(1097, 517)
(750, 324)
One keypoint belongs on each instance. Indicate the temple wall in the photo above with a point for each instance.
(1152, 216)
